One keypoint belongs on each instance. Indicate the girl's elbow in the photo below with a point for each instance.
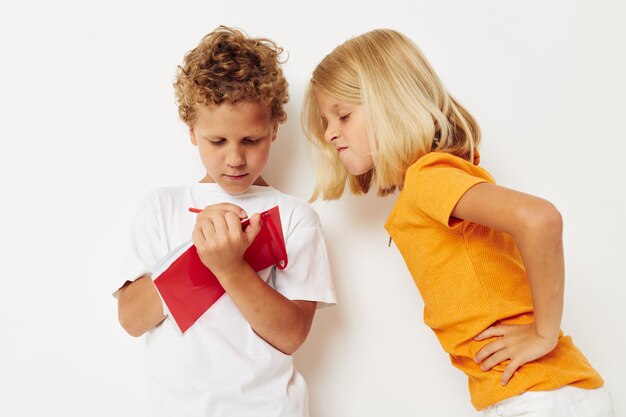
(551, 219)
(546, 219)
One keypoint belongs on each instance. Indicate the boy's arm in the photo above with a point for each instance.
(536, 226)
(221, 243)
(139, 306)
(281, 322)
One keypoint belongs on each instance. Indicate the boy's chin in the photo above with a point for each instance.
(234, 187)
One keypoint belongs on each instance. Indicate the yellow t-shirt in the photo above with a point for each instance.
(470, 277)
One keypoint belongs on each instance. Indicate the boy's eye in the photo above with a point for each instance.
(344, 117)
(217, 141)
(251, 141)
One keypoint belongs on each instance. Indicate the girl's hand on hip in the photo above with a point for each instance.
(518, 343)
(220, 240)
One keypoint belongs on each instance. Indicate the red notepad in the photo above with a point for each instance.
(189, 288)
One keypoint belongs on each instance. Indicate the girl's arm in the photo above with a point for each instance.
(139, 306)
(536, 226)
(221, 243)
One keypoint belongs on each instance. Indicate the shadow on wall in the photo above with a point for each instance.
(288, 169)
(368, 211)
(348, 225)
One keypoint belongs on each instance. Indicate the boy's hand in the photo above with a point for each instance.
(518, 343)
(219, 240)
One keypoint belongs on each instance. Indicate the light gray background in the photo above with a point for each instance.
(88, 124)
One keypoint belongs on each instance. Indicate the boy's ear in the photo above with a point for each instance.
(274, 130)
(192, 136)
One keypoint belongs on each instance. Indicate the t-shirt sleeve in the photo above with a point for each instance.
(307, 275)
(436, 183)
(145, 244)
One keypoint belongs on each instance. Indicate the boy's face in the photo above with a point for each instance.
(234, 142)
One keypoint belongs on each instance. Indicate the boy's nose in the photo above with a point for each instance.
(235, 159)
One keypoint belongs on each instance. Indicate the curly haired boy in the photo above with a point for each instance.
(236, 359)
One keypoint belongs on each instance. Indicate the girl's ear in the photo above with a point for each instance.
(192, 136)
(274, 130)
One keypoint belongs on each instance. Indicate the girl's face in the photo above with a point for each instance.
(346, 131)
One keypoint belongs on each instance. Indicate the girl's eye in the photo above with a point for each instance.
(345, 117)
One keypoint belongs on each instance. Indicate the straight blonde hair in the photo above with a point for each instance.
(409, 113)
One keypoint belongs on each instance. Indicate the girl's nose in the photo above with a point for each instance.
(330, 134)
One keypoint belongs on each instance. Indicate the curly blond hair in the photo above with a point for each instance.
(230, 67)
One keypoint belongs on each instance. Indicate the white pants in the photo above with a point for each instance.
(566, 401)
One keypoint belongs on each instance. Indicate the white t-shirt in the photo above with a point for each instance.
(220, 366)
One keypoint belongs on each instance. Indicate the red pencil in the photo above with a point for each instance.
(244, 222)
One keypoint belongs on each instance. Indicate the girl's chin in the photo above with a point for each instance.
(356, 171)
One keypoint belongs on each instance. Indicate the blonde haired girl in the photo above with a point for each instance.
(487, 260)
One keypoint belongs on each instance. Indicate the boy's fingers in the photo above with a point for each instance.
(254, 228)
(220, 226)
(208, 230)
(228, 207)
(197, 238)
(233, 223)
